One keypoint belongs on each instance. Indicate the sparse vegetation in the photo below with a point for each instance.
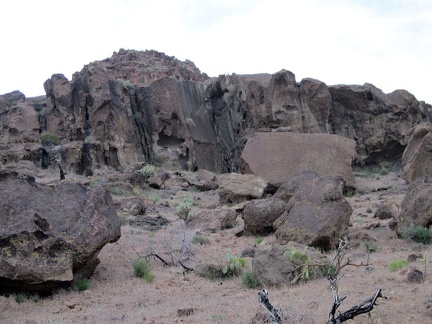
(83, 284)
(397, 265)
(142, 269)
(183, 209)
(48, 139)
(200, 240)
(116, 191)
(418, 234)
(138, 115)
(20, 297)
(234, 264)
(250, 279)
(371, 247)
(148, 170)
(259, 239)
(302, 262)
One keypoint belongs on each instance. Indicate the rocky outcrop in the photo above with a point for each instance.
(317, 214)
(417, 157)
(278, 157)
(147, 106)
(19, 129)
(51, 235)
(416, 207)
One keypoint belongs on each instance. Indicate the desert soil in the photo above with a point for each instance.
(117, 296)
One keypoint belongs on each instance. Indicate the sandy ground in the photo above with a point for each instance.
(117, 296)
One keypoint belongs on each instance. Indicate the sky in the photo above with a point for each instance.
(387, 43)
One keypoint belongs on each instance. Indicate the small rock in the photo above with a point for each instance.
(411, 274)
(185, 311)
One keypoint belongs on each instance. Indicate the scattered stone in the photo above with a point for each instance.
(235, 188)
(185, 312)
(411, 274)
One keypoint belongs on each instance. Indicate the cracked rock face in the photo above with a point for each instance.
(51, 235)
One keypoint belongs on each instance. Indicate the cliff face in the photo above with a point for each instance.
(146, 106)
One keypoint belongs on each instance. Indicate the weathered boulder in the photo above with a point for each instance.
(417, 157)
(385, 211)
(276, 269)
(234, 187)
(214, 220)
(51, 235)
(317, 215)
(277, 157)
(259, 215)
(286, 191)
(416, 207)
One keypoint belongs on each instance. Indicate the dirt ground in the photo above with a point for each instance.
(117, 296)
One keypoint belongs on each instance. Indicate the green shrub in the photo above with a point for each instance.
(83, 284)
(19, 297)
(383, 171)
(259, 239)
(47, 139)
(142, 269)
(371, 247)
(250, 279)
(116, 191)
(184, 208)
(201, 240)
(234, 264)
(418, 234)
(397, 265)
(302, 260)
(148, 171)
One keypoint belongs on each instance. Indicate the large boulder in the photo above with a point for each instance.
(277, 157)
(259, 215)
(50, 236)
(317, 215)
(417, 157)
(234, 187)
(416, 207)
(275, 269)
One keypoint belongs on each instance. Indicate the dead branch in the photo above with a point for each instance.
(353, 311)
(276, 314)
(151, 254)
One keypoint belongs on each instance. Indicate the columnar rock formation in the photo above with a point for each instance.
(146, 106)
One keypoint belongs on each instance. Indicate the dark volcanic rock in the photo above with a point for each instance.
(317, 214)
(416, 207)
(51, 235)
(417, 158)
(278, 157)
(260, 214)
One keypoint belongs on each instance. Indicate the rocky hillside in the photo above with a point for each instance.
(147, 106)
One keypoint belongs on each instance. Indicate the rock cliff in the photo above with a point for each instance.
(147, 106)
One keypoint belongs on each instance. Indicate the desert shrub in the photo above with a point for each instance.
(369, 210)
(418, 234)
(383, 171)
(371, 247)
(201, 240)
(116, 191)
(302, 261)
(124, 219)
(142, 269)
(397, 265)
(211, 271)
(234, 264)
(248, 252)
(47, 139)
(250, 279)
(20, 298)
(83, 284)
(138, 115)
(183, 209)
(148, 171)
(259, 239)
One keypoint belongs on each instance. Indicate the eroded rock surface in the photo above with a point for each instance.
(51, 235)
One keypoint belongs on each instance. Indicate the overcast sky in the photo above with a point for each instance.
(384, 42)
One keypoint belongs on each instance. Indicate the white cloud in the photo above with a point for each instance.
(386, 43)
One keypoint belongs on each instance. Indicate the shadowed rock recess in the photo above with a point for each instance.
(147, 106)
